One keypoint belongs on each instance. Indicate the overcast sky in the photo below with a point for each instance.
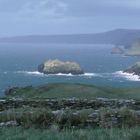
(26, 17)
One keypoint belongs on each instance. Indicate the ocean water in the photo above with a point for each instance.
(18, 65)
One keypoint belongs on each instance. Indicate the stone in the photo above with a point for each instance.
(134, 69)
(8, 124)
(57, 66)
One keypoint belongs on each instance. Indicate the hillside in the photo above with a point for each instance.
(81, 91)
(118, 37)
(76, 111)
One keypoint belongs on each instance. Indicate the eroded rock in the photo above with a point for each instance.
(57, 66)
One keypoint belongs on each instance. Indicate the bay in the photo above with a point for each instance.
(19, 62)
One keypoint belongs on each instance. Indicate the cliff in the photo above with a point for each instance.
(135, 69)
(135, 49)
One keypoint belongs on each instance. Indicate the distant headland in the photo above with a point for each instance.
(124, 37)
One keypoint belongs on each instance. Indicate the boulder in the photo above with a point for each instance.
(57, 66)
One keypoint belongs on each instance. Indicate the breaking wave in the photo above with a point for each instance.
(58, 74)
(128, 76)
(30, 73)
(116, 75)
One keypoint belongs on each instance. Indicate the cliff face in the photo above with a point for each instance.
(135, 69)
(135, 49)
(117, 50)
(57, 66)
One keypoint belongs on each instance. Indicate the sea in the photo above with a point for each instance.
(19, 62)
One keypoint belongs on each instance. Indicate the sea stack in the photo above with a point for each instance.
(56, 66)
(134, 69)
(117, 50)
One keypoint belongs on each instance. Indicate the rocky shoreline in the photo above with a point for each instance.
(68, 103)
(134, 69)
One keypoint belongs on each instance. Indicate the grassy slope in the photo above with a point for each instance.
(67, 91)
(98, 134)
(77, 90)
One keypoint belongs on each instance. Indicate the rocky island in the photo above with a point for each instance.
(135, 49)
(117, 50)
(134, 69)
(56, 66)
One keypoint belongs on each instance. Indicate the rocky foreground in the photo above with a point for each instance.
(67, 113)
(70, 106)
(57, 66)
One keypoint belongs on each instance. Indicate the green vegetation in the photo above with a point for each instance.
(71, 118)
(53, 134)
(71, 112)
(80, 91)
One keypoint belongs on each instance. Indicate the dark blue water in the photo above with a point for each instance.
(18, 65)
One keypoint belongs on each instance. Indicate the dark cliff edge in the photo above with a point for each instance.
(134, 69)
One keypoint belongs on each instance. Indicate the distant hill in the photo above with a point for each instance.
(117, 37)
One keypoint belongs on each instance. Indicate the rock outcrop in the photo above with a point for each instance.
(71, 103)
(117, 50)
(135, 69)
(135, 49)
(57, 66)
(70, 113)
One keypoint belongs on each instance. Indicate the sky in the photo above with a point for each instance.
(30, 17)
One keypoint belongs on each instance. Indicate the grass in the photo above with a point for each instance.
(72, 118)
(53, 134)
(81, 91)
(68, 126)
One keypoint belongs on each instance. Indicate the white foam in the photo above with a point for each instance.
(30, 73)
(117, 74)
(34, 73)
(89, 74)
(128, 76)
(84, 75)
(58, 74)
